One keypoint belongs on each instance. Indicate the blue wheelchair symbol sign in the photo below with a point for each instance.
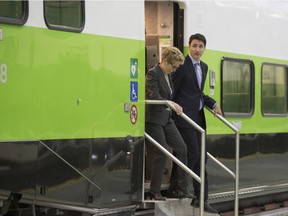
(134, 91)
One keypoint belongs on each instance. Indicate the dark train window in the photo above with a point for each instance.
(64, 15)
(274, 89)
(13, 12)
(237, 87)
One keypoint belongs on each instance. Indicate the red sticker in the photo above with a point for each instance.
(133, 114)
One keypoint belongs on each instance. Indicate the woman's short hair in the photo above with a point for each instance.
(173, 55)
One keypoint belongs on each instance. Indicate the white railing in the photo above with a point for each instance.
(200, 179)
(237, 153)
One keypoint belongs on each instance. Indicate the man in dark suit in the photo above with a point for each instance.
(188, 81)
(159, 123)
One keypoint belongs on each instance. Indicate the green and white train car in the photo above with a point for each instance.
(72, 86)
(72, 102)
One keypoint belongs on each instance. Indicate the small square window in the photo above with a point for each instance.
(237, 89)
(13, 12)
(64, 15)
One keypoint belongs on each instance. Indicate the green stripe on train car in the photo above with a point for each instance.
(256, 123)
(67, 85)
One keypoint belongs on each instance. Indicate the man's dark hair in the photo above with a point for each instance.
(199, 37)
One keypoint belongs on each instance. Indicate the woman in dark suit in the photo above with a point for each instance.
(188, 82)
(159, 123)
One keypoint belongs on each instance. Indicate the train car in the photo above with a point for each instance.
(85, 150)
(72, 104)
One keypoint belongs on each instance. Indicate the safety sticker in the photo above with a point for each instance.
(133, 114)
(134, 91)
(133, 68)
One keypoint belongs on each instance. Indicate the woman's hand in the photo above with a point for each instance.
(178, 108)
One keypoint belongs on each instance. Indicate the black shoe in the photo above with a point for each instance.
(207, 208)
(155, 196)
(178, 193)
(195, 203)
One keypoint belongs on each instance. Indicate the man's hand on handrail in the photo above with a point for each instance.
(217, 110)
(178, 108)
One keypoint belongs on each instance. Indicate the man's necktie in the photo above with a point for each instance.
(199, 79)
(198, 73)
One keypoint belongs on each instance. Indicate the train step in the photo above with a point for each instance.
(179, 207)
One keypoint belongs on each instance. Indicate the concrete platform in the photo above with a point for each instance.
(177, 207)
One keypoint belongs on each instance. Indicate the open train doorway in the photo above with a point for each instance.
(164, 26)
(164, 23)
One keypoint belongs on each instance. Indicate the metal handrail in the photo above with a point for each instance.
(70, 165)
(202, 168)
(172, 157)
(237, 152)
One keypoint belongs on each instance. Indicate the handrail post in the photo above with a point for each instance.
(236, 208)
(203, 156)
(237, 154)
(201, 180)
(202, 171)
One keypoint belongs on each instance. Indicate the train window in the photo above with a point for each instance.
(14, 12)
(64, 15)
(274, 89)
(237, 87)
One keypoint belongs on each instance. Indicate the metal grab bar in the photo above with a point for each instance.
(183, 115)
(221, 165)
(237, 150)
(197, 127)
(171, 156)
(70, 165)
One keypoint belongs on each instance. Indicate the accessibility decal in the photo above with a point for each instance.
(134, 91)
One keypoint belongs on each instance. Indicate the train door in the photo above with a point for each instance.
(164, 21)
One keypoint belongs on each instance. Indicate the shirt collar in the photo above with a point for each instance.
(193, 60)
